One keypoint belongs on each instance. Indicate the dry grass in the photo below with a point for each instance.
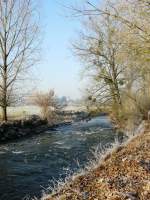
(121, 173)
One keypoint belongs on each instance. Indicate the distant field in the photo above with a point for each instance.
(22, 112)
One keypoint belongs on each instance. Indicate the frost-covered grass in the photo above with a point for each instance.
(100, 155)
(21, 112)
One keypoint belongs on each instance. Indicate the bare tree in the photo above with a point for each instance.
(98, 48)
(46, 101)
(118, 53)
(121, 11)
(18, 33)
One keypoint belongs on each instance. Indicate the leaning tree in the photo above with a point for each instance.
(18, 38)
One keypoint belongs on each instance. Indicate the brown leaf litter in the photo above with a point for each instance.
(125, 175)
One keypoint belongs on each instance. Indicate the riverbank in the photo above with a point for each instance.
(123, 174)
(19, 129)
(34, 125)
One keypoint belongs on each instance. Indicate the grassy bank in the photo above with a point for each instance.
(124, 173)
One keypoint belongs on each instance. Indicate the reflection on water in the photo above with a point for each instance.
(28, 166)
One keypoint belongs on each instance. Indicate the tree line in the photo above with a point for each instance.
(114, 48)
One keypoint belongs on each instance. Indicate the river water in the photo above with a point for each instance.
(27, 166)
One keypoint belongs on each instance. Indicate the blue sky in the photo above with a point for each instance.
(58, 68)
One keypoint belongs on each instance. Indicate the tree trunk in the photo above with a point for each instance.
(4, 106)
(4, 113)
(4, 93)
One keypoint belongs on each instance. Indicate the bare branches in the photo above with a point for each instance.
(46, 101)
(114, 47)
(98, 49)
(18, 41)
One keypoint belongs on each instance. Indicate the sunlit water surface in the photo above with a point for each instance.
(29, 165)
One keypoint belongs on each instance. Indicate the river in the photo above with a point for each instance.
(27, 166)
